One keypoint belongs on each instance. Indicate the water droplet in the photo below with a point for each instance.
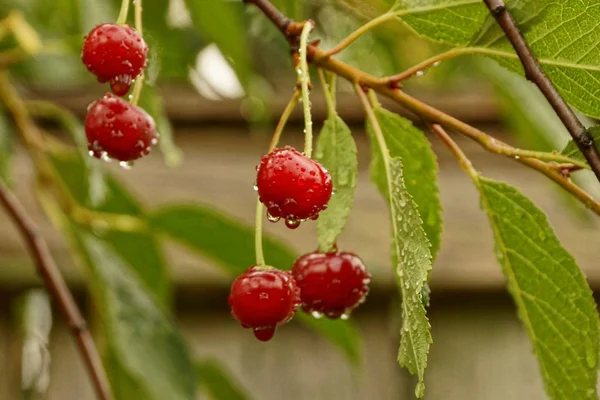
(264, 296)
(317, 314)
(154, 142)
(126, 165)
(255, 187)
(345, 316)
(104, 157)
(437, 63)
(272, 218)
(517, 157)
(292, 223)
(420, 73)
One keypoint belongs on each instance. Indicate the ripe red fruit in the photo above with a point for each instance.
(332, 284)
(262, 298)
(115, 54)
(119, 129)
(292, 186)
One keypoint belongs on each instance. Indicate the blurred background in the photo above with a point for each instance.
(225, 75)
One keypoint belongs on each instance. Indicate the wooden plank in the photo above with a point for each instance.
(183, 104)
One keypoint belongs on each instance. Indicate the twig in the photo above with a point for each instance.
(394, 80)
(361, 31)
(463, 160)
(59, 291)
(534, 73)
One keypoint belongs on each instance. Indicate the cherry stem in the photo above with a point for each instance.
(123, 12)
(304, 83)
(328, 91)
(284, 118)
(139, 82)
(258, 246)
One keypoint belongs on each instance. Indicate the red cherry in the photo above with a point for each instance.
(331, 283)
(115, 54)
(119, 129)
(292, 186)
(262, 298)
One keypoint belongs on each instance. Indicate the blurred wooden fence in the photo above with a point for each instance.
(480, 350)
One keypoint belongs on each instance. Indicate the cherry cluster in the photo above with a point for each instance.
(296, 188)
(115, 128)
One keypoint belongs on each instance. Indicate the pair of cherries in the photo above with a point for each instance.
(295, 188)
(114, 127)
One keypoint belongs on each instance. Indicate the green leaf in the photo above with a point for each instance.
(557, 31)
(530, 117)
(217, 383)
(223, 23)
(552, 296)
(143, 341)
(94, 168)
(152, 102)
(420, 169)
(563, 38)
(572, 150)
(230, 245)
(411, 249)
(213, 235)
(525, 109)
(148, 264)
(453, 22)
(7, 148)
(336, 150)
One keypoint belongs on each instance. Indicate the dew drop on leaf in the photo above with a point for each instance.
(317, 315)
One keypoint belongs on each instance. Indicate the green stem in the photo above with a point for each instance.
(385, 153)
(304, 82)
(388, 16)
(361, 31)
(258, 226)
(284, 118)
(123, 12)
(139, 82)
(328, 91)
(258, 246)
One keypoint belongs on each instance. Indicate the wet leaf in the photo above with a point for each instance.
(554, 301)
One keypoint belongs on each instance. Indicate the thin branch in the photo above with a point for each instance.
(395, 80)
(361, 31)
(59, 291)
(463, 160)
(534, 73)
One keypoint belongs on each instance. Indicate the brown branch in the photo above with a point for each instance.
(59, 291)
(534, 73)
